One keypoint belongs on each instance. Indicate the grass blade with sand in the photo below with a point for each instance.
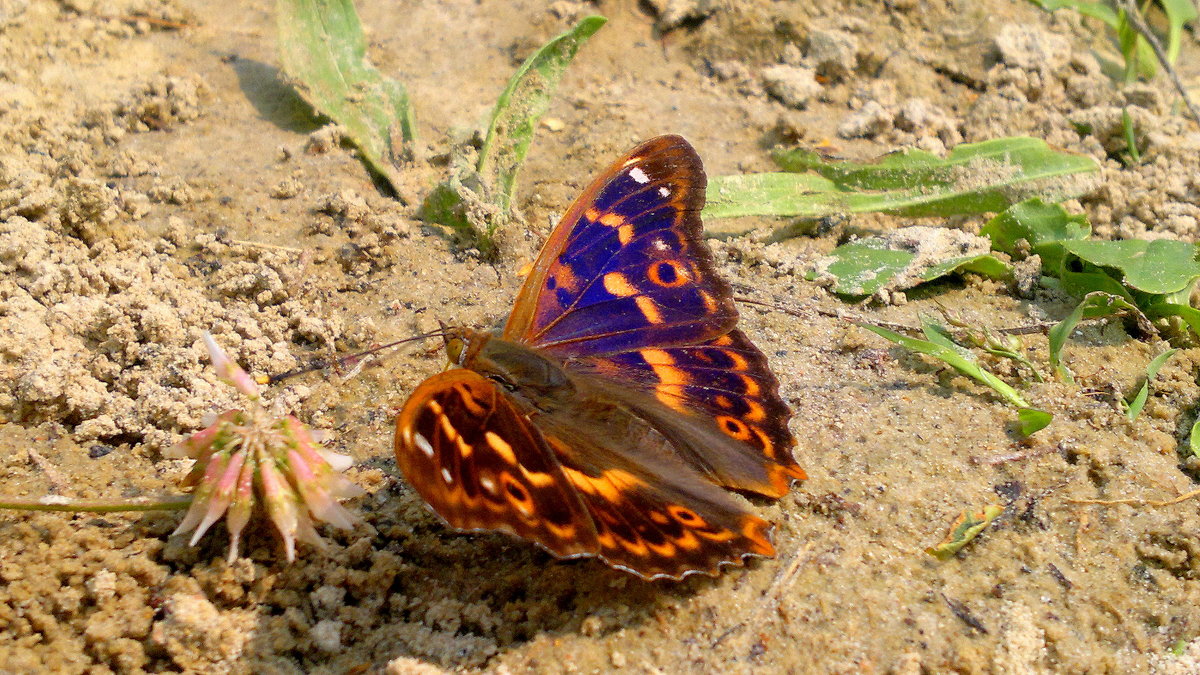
(974, 178)
(514, 121)
(1094, 305)
(522, 104)
(324, 53)
(941, 347)
(1133, 408)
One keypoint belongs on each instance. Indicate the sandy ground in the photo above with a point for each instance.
(158, 179)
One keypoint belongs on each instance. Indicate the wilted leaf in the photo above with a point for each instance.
(966, 527)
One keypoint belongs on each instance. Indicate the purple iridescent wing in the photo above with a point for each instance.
(627, 266)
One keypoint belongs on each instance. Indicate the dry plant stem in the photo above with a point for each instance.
(1138, 502)
(165, 503)
(1139, 24)
(1040, 327)
(770, 597)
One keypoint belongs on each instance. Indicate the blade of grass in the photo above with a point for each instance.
(974, 178)
(1094, 305)
(961, 360)
(323, 51)
(1134, 407)
(522, 104)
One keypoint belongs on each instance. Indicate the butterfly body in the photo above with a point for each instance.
(619, 399)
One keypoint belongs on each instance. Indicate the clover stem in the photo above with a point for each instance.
(57, 503)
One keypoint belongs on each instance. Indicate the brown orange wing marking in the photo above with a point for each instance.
(656, 524)
(477, 460)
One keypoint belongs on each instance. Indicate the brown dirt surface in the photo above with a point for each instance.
(158, 178)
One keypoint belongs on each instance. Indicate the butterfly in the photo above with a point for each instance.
(619, 401)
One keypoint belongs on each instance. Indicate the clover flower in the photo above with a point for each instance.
(248, 458)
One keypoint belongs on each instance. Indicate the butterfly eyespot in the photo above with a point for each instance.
(685, 515)
(668, 274)
(734, 427)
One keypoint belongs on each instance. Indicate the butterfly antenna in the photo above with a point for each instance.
(350, 360)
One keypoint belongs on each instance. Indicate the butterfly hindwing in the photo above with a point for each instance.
(475, 458)
(655, 517)
(723, 385)
(627, 265)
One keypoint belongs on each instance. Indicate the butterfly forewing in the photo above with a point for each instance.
(627, 265)
(475, 458)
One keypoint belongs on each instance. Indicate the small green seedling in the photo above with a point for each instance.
(323, 51)
(1094, 305)
(1004, 346)
(492, 181)
(941, 346)
(1156, 277)
(968, 525)
(1136, 52)
(1133, 407)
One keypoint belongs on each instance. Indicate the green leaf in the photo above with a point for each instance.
(1194, 439)
(1079, 284)
(1032, 420)
(1094, 305)
(946, 351)
(478, 200)
(863, 267)
(900, 260)
(966, 527)
(1159, 266)
(1036, 222)
(987, 265)
(522, 104)
(974, 178)
(1096, 10)
(1179, 13)
(1134, 408)
(1190, 315)
(1130, 133)
(323, 51)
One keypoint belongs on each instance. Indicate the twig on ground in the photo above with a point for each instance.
(1138, 502)
(1139, 24)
